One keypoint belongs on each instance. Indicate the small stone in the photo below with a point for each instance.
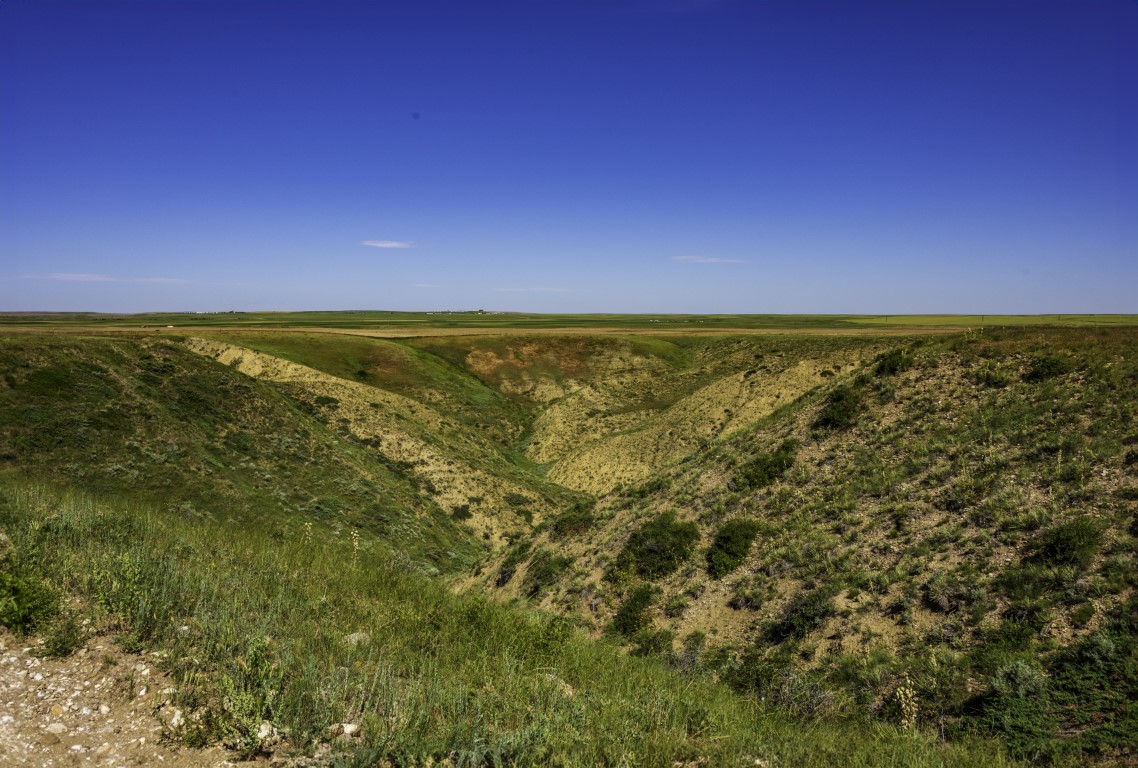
(349, 729)
(104, 709)
(177, 720)
(357, 638)
(56, 710)
(142, 691)
(265, 731)
(56, 728)
(103, 749)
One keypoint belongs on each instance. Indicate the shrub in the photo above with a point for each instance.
(461, 512)
(766, 468)
(26, 602)
(1072, 543)
(64, 638)
(892, 362)
(1047, 367)
(572, 522)
(802, 615)
(544, 568)
(632, 616)
(731, 546)
(658, 547)
(840, 410)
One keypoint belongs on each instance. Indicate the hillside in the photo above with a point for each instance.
(942, 535)
(930, 533)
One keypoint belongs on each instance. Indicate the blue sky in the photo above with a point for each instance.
(569, 155)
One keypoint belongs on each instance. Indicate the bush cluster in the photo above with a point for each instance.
(658, 547)
(731, 546)
(572, 522)
(841, 409)
(632, 616)
(766, 468)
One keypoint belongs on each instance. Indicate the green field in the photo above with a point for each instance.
(376, 320)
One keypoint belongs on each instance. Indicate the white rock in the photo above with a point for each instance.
(56, 728)
(356, 638)
(265, 731)
(349, 729)
(104, 709)
(177, 720)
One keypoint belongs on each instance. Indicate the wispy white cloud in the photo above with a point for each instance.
(86, 277)
(531, 290)
(706, 260)
(387, 243)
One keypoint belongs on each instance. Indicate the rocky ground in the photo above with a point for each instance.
(99, 706)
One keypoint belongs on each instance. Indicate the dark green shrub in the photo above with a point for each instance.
(544, 568)
(325, 400)
(1072, 543)
(461, 512)
(1047, 367)
(766, 468)
(632, 616)
(572, 522)
(1017, 709)
(658, 547)
(802, 615)
(891, 362)
(840, 410)
(64, 637)
(731, 546)
(26, 602)
(517, 499)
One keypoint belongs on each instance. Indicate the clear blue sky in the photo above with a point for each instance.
(569, 155)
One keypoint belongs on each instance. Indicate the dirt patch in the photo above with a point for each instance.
(99, 706)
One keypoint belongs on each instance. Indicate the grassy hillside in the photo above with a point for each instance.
(309, 635)
(148, 419)
(944, 536)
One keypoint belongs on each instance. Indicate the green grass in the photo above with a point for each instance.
(254, 627)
